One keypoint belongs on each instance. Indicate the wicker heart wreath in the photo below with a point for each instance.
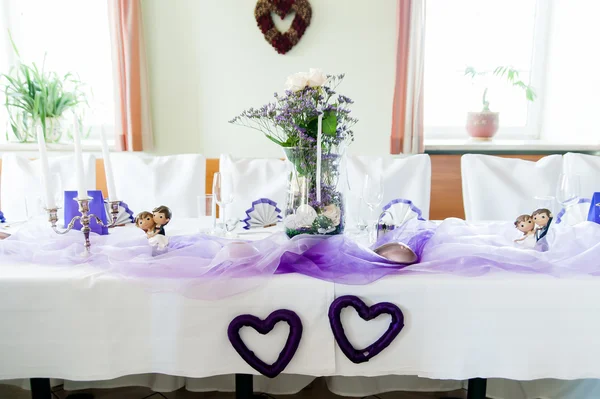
(283, 42)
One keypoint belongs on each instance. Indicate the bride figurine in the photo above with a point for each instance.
(145, 221)
(524, 224)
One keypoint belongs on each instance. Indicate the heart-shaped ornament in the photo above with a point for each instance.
(366, 313)
(264, 327)
(283, 42)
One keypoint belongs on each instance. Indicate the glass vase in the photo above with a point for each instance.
(304, 213)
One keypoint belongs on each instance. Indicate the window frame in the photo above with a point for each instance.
(9, 14)
(537, 78)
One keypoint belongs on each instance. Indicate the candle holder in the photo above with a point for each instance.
(86, 216)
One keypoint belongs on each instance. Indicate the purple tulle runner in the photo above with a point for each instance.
(210, 267)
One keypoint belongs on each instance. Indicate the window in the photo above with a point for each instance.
(73, 36)
(483, 34)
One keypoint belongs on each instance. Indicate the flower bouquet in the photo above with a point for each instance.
(313, 126)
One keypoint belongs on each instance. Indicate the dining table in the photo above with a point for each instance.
(85, 323)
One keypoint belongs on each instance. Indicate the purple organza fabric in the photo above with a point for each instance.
(209, 267)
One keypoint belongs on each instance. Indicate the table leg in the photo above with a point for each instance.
(40, 388)
(477, 388)
(244, 389)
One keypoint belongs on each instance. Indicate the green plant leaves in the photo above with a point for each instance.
(39, 94)
(329, 125)
(511, 75)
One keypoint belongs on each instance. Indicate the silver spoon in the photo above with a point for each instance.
(397, 252)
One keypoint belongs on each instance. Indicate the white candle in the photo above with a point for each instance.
(45, 169)
(319, 140)
(81, 190)
(110, 181)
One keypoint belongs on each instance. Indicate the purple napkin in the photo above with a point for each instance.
(2, 220)
(96, 207)
(594, 213)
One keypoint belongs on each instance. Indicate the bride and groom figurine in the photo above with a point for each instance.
(153, 224)
(534, 227)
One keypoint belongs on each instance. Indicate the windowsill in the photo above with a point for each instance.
(499, 146)
(32, 148)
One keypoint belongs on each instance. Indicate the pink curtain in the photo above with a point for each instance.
(132, 103)
(407, 114)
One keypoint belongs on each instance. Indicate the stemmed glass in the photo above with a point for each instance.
(207, 213)
(372, 196)
(224, 195)
(568, 190)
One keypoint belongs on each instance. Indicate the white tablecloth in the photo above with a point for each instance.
(64, 323)
(511, 326)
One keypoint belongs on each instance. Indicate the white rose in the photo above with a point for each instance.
(305, 215)
(332, 212)
(316, 77)
(296, 82)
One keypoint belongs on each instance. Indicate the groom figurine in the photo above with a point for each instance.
(162, 216)
(542, 218)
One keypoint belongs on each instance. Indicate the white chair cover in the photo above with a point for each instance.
(407, 177)
(588, 169)
(21, 188)
(496, 188)
(253, 179)
(144, 182)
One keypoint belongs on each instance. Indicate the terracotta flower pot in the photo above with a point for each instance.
(482, 125)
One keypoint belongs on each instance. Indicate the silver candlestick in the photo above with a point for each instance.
(86, 216)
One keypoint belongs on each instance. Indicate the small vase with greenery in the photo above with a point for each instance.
(35, 97)
(484, 124)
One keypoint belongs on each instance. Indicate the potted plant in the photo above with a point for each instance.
(34, 97)
(483, 125)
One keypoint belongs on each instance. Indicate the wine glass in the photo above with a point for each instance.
(568, 190)
(207, 213)
(372, 194)
(223, 192)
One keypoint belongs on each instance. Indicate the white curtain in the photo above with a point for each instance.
(407, 114)
(571, 100)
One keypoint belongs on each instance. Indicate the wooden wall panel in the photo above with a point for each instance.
(446, 188)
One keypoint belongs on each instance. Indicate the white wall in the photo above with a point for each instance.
(209, 61)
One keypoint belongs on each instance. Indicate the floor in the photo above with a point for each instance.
(316, 390)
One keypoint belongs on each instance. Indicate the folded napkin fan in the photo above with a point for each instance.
(402, 210)
(97, 207)
(263, 213)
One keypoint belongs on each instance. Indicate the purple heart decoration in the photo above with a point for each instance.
(366, 313)
(265, 327)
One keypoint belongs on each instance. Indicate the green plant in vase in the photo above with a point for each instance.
(314, 201)
(484, 124)
(34, 96)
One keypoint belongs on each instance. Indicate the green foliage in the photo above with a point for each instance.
(32, 95)
(507, 73)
